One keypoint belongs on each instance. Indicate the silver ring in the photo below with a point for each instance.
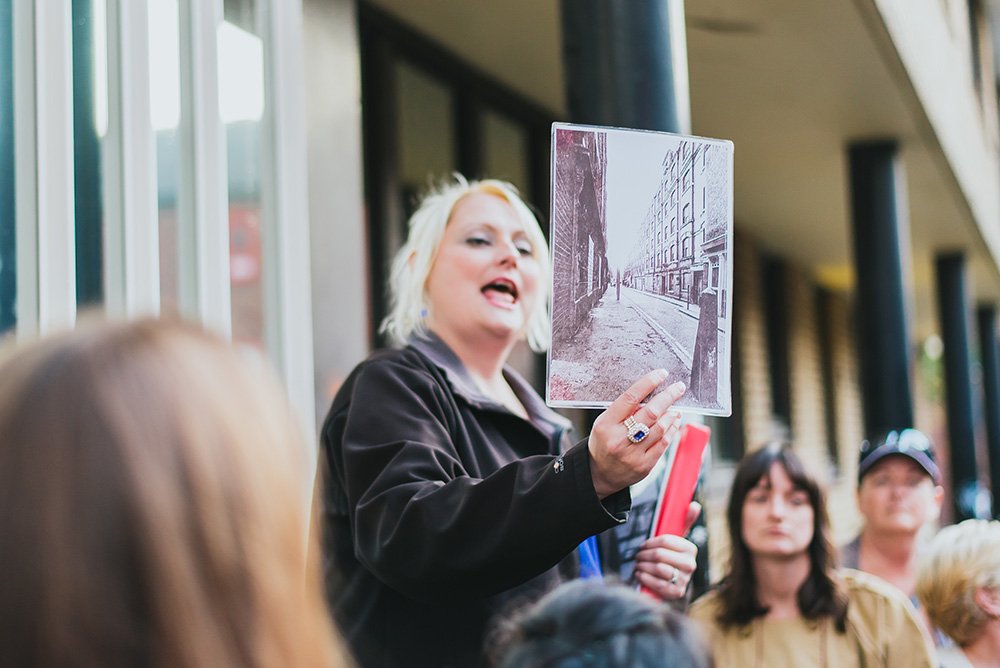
(636, 430)
(673, 578)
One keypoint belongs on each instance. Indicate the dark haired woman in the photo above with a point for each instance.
(783, 603)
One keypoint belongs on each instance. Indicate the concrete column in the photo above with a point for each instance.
(879, 224)
(986, 317)
(956, 316)
(338, 262)
(626, 63)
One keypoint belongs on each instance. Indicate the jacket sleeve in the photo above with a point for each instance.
(426, 527)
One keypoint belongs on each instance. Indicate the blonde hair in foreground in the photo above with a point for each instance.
(151, 507)
(412, 263)
(962, 558)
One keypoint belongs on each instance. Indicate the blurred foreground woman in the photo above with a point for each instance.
(782, 603)
(151, 508)
(453, 490)
(958, 583)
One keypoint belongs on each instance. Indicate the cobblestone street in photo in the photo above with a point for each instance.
(627, 337)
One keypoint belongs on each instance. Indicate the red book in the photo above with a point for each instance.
(678, 492)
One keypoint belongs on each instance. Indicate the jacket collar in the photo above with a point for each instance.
(437, 351)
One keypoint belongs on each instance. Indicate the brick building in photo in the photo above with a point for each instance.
(579, 245)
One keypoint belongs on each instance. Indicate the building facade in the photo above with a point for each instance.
(848, 117)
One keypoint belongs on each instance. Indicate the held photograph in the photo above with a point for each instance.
(642, 247)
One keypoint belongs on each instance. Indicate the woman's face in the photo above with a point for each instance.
(777, 516)
(483, 285)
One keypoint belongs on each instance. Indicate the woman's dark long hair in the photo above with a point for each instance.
(821, 595)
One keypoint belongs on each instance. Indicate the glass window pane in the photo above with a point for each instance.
(165, 115)
(505, 150)
(426, 131)
(8, 266)
(90, 122)
(241, 106)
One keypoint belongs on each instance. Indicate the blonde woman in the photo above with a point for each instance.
(151, 486)
(453, 489)
(958, 582)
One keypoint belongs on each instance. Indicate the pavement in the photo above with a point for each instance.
(623, 340)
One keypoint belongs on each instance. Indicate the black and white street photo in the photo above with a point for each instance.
(642, 253)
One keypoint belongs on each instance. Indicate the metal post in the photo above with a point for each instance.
(955, 314)
(986, 317)
(879, 224)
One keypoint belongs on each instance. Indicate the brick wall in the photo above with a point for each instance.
(849, 418)
(807, 391)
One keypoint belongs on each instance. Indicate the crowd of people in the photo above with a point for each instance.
(152, 507)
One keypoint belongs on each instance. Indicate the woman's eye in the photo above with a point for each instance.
(524, 250)
(799, 500)
(477, 241)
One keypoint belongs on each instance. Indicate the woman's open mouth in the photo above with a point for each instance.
(502, 292)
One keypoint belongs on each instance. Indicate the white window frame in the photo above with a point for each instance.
(43, 160)
(131, 223)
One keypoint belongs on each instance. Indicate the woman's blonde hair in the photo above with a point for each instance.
(412, 264)
(962, 558)
(152, 507)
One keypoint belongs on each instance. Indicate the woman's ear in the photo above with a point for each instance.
(988, 599)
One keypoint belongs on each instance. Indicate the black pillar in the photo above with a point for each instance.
(955, 314)
(87, 160)
(618, 63)
(876, 193)
(8, 222)
(986, 317)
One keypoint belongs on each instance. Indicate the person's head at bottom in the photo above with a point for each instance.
(153, 507)
(589, 624)
(958, 583)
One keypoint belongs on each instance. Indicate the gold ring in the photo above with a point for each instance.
(636, 430)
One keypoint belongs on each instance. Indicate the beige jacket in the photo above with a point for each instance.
(882, 632)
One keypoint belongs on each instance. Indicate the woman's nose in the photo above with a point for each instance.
(509, 253)
(777, 507)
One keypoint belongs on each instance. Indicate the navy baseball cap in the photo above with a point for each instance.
(909, 442)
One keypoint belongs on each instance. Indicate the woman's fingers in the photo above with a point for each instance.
(670, 424)
(665, 565)
(692, 516)
(625, 443)
(626, 404)
(660, 403)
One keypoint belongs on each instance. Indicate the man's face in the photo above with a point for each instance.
(898, 495)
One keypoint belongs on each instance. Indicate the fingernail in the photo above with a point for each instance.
(662, 374)
(678, 387)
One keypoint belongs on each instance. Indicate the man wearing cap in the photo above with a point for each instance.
(899, 495)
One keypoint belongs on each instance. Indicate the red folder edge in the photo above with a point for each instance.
(679, 490)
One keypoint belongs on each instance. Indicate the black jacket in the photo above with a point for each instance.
(442, 508)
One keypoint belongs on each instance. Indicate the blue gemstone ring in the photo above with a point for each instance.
(636, 430)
